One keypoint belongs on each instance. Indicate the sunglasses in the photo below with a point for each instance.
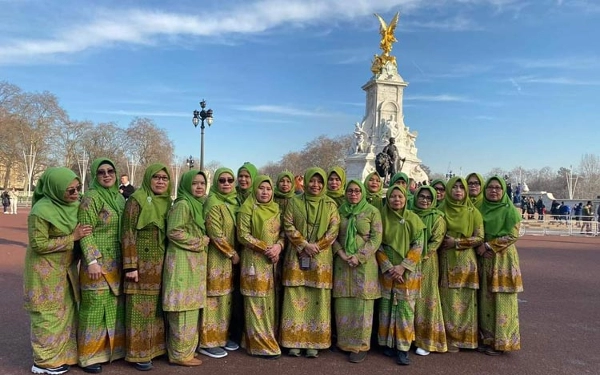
(223, 180)
(107, 172)
(74, 190)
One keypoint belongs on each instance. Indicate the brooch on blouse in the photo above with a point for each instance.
(149, 199)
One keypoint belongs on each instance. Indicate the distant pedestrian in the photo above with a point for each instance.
(5, 202)
(126, 189)
(588, 215)
(14, 200)
(540, 207)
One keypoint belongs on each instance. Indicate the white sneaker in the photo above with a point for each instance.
(421, 351)
(50, 370)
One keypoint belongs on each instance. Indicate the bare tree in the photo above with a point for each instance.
(150, 143)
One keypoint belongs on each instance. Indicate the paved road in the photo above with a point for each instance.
(560, 321)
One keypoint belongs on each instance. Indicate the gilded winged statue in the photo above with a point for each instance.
(387, 39)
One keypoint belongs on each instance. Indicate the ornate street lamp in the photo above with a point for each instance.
(190, 162)
(199, 117)
(449, 175)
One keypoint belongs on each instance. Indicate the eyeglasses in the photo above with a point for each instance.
(353, 191)
(223, 180)
(74, 190)
(425, 198)
(495, 188)
(474, 183)
(440, 189)
(107, 172)
(160, 178)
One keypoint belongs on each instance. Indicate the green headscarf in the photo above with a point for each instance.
(428, 215)
(216, 198)
(350, 211)
(459, 214)
(374, 198)
(153, 207)
(38, 192)
(244, 194)
(279, 193)
(314, 205)
(184, 193)
(50, 204)
(339, 193)
(477, 200)
(499, 218)
(109, 195)
(435, 182)
(261, 213)
(399, 176)
(399, 225)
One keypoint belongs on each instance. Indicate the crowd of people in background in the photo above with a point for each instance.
(290, 265)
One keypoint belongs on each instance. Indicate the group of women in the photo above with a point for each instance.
(257, 264)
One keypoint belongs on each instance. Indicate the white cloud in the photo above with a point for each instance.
(125, 112)
(284, 110)
(559, 81)
(439, 98)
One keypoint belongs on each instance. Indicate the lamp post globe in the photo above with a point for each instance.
(199, 118)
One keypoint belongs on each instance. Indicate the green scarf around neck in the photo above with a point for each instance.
(428, 215)
(217, 198)
(51, 205)
(153, 207)
(185, 193)
(243, 194)
(110, 195)
(315, 205)
(350, 212)
(477, 200)
(339, 193)
(499, 218)
(261, 213)
(401, 226)
(459, 214)
(279, 193)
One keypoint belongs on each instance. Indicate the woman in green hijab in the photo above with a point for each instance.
(500, 272)
(374, 187)
(259, 231)
(430, 335)
(311, 222)
(51, 285)
(336, 180)
(459, 280)
(220, 211)
(402, 179)
(355, 274)
(440, 190)
(398, 258)
(245, 178)
(184, 275)
(143, 240)
(101, 328)
(475, 183)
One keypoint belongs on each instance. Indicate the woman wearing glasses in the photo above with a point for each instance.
(398, 258)
(51, 285)
(184, 277)
(459, 280)
(475, 183)
(355, 276)
(500, 272)
(220, 211)
(143, 239)
(430, 335)
(440, 191)
(311, 222)
(101, 328)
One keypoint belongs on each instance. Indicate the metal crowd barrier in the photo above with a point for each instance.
(560, 225)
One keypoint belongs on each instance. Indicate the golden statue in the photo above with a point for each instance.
(387, 39)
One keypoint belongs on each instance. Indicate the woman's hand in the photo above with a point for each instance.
(81, 231)
(449, 242)
(353, 261)
(235, 259)
(481, 249)
(311, 249)
(397, 273)
(273, 252)
(132, 276)
(95, 271)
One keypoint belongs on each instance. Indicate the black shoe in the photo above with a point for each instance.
(357, 357)
(390, 352)
(403, 358)
(143, 366)
(93, 369)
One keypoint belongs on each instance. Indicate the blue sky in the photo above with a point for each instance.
(492, 83)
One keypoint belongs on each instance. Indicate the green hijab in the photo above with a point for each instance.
(399, 176)
(350, 212)
(435, 182)
(153, 207)
(401, 226)
(374, 198)
(338, 194)
(244, 194)
(315, 205)
(260, 213)
(279, 193)
(184, 193)
(428, 215)
(477, 200)
(50, 204)
(38, 192)
(459, 214)
(110, 195)
(499, 218)
(216, 198)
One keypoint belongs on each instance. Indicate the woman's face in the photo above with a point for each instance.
(374, 183)
(225, 182)
(285, 185)
(105, 174)
(458, 191)
(265, 192)
(424, 199)
(397, 200)
(159, 184)
(400, 182)
(244, 179)
(72, 192)
(440, 191)
(353, 193)
(198, 186)
(334, 182)
(315, 184)
(493, 191)
(474, 186)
